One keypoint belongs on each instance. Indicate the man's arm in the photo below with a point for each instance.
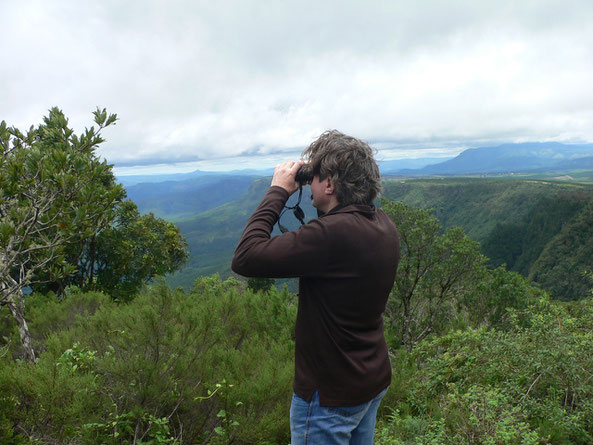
(291, 254)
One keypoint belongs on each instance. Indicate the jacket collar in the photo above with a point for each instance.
(367, 210)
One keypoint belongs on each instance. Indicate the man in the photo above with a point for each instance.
(346, 261)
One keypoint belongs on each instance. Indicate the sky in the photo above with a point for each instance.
(215, 85)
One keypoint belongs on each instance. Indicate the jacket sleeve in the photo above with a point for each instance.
(303, 252)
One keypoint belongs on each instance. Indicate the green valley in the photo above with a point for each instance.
(517, 221)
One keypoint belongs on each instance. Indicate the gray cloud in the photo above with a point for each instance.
(208, 80)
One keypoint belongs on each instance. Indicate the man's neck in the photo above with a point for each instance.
(331, 204)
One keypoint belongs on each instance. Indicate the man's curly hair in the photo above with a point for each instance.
(349, 163)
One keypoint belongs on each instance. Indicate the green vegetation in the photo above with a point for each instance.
(524, 225)
(565, 262)
(513, 219)
(442, 281)
(520, 245)
(502, 364)
(132, 249)
(169, 365)
(63, 221)
(478, 204)
(527, 384)
(479, 354)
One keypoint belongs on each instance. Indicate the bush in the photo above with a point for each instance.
(528, 384)
(212, 365)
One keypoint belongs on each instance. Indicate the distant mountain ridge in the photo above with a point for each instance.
(386, 167)
(131, 180)
(509, 158)
(175, 200)
(393, 165)
(505, 158)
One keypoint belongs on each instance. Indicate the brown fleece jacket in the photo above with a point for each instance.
(346, 261)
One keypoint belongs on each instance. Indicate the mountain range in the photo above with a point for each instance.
(179, 196)
(511, 158)
(507, 216)
(505, 158)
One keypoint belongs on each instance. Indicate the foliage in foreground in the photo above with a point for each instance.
(214, 365)
(530, 384)
(63, 220)
(210, 366)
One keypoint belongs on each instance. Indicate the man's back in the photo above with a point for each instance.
(346, 261)
(339, 330)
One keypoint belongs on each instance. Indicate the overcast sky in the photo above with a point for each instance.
(219, 84)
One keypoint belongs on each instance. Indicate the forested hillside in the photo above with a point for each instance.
(525, 224)
(514, 220)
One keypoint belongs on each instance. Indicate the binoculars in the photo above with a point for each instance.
(304, 175)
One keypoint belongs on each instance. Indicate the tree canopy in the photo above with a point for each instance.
(442, 279)
(58, 199)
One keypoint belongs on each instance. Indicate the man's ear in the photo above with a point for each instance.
(329, 186)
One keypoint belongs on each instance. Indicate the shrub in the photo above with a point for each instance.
(148, 370)
(528, 384)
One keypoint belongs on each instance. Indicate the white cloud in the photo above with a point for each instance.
(210, 80)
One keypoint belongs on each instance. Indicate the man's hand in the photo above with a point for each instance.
(284, 174)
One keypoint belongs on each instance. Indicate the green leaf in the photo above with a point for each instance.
(112, 118)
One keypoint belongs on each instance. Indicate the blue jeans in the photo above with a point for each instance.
(312, 424)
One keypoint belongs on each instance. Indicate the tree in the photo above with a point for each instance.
(488, 303)
(434, 272)
(257, 284)
(118, 259)
(54, 191)
(133, 249)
